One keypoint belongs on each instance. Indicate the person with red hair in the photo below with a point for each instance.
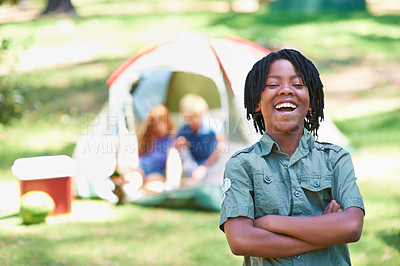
(155, 137)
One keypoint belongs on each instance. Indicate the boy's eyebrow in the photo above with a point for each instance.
(277, 76)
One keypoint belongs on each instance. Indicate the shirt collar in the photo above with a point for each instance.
(205, 125)
(306, 143)
(267, 143)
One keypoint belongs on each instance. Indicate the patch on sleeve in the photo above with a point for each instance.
(226, 184)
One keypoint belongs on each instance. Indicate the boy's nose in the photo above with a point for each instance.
(286, 90)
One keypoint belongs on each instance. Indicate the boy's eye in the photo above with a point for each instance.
(298, 85)
(271, 85)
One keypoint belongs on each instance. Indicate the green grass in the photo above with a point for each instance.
(63, 97)
(336, 39)
(134, 235)
(373, 131)
(41, 138)
(379, 244)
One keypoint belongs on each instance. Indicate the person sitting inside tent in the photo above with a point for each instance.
(155, 137)
(200, 140)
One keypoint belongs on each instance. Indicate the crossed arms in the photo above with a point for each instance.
(274, 236)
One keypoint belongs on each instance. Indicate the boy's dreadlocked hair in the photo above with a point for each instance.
(257, 78)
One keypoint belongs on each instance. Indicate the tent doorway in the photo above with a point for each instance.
(183, 83)
(166, 87)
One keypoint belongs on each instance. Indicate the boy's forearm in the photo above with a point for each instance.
(211, 159)
(247, 240)
(329, 229)
(215, 154)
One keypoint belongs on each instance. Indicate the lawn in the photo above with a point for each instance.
(64, 63)
(125, 235)
(134, 235)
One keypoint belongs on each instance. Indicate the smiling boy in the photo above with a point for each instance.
(288, 199)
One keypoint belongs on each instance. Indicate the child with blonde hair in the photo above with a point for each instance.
(200, 139)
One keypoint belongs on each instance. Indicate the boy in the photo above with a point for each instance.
(288, 199)
(200, 140)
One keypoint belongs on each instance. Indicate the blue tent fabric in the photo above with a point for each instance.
(151, 91)
(206, 197)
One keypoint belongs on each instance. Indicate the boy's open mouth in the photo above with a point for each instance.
(285, 107)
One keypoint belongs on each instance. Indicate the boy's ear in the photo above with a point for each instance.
(257, 108)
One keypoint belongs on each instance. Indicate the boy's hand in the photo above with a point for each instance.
(333, 206)
(200, 172)
(181, 142)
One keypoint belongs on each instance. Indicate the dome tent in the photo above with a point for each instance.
(163, 74)
(189, 63)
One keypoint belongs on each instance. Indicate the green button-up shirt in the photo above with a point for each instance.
(261, 180)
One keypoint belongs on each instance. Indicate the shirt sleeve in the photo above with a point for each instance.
(237, 190)
(214, 124)
(347, 193)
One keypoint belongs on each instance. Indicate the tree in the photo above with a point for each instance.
(58, 7)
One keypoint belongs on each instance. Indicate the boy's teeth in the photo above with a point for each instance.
(285, 105)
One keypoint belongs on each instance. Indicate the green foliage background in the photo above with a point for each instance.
(11, 95)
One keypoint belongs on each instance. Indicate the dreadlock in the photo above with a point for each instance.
(257, 78)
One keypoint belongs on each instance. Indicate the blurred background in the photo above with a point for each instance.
(55, 58)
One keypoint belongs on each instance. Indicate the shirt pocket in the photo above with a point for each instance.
(269, 194)
(318, 190)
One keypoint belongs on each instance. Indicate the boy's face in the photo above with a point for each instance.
(285, 100)
(194, 121)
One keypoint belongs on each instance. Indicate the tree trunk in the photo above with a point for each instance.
(58, 7)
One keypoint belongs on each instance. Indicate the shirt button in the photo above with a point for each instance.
(316, 184)
(297, 193)
(297, 257)
(267, 179)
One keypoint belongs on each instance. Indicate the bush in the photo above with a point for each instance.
(11, 95)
